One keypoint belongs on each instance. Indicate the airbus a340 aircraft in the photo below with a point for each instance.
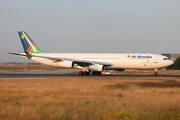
(92, 63)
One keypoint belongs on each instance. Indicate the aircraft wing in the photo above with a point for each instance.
(76, 61)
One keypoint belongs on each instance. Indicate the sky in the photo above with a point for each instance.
(90, 26)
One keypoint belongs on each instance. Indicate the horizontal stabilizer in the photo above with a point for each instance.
(20, 54)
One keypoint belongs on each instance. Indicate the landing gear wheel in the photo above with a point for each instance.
(80, 73)
(86, 73)
(155, 74)
(94, 73)
(98, 73)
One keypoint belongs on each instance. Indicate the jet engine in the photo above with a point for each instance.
(68, 64)
(96, 67)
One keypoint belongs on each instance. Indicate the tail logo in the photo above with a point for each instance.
(29, 49)
(22, 36)
(28, 45)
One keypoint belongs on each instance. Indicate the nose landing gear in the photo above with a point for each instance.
(155, 72)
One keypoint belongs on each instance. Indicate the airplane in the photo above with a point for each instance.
(92, 63)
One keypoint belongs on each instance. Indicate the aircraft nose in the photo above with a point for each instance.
(171, 62)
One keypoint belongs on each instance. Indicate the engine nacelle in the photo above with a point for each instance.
(96, 67)
(67, 64)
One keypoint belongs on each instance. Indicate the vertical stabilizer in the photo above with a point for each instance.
(28, 45)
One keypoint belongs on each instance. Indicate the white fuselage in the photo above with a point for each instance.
(125, 61)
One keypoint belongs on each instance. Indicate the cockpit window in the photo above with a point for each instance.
(166, 59)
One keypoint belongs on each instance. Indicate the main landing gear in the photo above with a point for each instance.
(96, 73)
(88, 73)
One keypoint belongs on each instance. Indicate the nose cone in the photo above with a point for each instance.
(170, 62)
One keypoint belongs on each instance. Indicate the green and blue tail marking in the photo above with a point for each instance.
(28, 45)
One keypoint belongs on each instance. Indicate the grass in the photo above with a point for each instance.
(119, 95)
(17, 103)
(88, 98)
(159, 84)
(117, 86)
(170, 81)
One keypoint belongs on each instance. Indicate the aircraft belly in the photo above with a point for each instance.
(44, 61)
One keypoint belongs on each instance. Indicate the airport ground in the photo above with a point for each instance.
(91, 98)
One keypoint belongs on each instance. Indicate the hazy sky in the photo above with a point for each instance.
(90, 26)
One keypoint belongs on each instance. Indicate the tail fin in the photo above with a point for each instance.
(28, 45)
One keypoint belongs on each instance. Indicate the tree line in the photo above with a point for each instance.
(176, 65)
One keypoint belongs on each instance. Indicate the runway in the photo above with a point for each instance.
(75, 75)
(68, 73)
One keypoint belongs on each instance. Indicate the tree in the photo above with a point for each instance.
(177, 64)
